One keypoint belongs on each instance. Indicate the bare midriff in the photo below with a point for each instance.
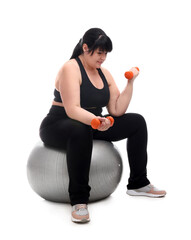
(57, 104)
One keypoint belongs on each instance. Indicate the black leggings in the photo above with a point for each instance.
(76, 138)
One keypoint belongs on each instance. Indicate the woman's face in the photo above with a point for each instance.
(99, 57)
(96, 59)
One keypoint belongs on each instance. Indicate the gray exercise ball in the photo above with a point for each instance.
(48, 175)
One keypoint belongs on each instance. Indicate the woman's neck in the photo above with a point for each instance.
(87, 65)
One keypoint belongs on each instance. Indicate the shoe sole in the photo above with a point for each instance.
(84, 220)
(134, 193)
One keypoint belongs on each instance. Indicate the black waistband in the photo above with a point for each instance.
(57, 111)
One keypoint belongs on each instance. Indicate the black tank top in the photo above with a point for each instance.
(91, 98)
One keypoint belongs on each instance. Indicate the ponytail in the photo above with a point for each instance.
(77, 50)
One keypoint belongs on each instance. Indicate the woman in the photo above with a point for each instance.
(82, 88)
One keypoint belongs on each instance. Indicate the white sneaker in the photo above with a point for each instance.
(80, 213)
(148, 191)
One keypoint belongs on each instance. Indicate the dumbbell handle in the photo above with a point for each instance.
(129, 74)
(95, 123)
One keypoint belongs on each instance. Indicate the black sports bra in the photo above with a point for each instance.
(90, 96)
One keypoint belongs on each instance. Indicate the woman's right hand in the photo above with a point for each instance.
(105, 124)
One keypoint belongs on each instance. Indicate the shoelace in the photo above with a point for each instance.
(81, 207)
(154, 188)
(81, 210)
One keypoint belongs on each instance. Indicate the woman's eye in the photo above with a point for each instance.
(100, 53)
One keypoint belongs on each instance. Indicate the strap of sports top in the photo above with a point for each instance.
(80, 64)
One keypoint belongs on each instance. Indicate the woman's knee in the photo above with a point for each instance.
(138, 120)
(141, 125)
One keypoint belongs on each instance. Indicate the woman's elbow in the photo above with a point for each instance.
(116, 112)
(70, 111)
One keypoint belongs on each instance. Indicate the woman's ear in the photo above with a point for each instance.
(85, 47)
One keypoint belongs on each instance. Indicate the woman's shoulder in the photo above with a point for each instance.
(70, 65)
(69, 69)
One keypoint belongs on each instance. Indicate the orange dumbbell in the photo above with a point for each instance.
(129, 74)
(95, 123)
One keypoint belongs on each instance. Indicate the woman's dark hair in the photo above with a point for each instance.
(94, 38)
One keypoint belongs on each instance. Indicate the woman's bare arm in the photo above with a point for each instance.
(119, 102)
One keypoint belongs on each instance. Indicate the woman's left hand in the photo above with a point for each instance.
(135, 74)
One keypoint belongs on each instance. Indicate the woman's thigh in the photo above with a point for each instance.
(60, 132)
(124, 127)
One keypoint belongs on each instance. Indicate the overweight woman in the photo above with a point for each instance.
(82, 88)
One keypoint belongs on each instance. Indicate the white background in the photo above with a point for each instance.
(37, 37)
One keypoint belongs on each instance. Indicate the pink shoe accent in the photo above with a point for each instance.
(155, 191)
